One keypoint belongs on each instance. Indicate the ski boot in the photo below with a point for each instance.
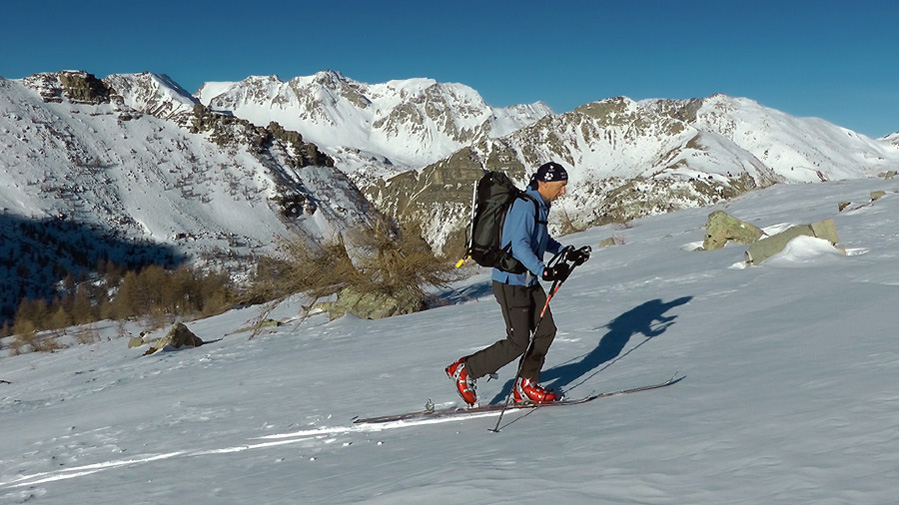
(465, 385)
(528, 391)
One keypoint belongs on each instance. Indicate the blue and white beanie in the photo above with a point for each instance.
(549, 172)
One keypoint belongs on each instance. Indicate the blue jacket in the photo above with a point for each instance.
(530, 240)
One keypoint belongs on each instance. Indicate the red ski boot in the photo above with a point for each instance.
(527, 391)
(465, 385)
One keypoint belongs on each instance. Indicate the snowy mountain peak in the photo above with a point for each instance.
(155, 94)
(329, 77)
(892, 139)
(376, 128)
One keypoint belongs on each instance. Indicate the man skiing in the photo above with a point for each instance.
(521, 297)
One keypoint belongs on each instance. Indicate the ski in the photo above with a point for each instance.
(497, 408)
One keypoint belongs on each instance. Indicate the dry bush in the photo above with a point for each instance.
(87, 334)
(47, 343)
(399, 263)
(386, 260)
(17, 346)
(318, 271)
(567, 225)
(34, 342)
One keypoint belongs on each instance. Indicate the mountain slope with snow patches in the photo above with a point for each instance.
(227, 190)
(628, 159)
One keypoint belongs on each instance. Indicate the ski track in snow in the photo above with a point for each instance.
(317, 436)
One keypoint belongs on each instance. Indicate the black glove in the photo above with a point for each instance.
(578, 256)
(558, 272)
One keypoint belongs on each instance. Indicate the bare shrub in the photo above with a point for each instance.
(318, 271)
(47, 343)
(386, 259)
(567, 225)
(87, 334)
(399, 263)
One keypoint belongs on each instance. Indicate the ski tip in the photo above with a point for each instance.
(674, 378)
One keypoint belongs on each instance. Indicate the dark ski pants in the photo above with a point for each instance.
(521, 308)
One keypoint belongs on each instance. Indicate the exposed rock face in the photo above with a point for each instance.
(893, 139)
(437, 199)
(154, 94)
(72, 86)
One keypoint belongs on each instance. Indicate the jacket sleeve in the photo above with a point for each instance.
(517, 231)
(552, 246)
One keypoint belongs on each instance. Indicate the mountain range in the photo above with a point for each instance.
(415, 147)
(218, 175)
(372, 130)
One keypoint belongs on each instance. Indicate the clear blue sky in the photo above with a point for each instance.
(836, 60)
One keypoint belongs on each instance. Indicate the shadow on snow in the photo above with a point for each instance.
(648, 319)
(37, 254)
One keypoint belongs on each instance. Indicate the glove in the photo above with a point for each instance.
(558, 272)
(578, 256)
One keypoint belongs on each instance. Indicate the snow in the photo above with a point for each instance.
(789, 397)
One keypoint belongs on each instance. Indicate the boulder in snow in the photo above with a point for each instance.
(767, 247)
(178, 337)
(722, 227)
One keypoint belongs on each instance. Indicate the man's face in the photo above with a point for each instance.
(551, 190)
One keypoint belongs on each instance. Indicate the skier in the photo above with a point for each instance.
(521, 297)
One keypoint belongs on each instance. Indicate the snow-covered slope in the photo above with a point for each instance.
(892, 139)
(789, 394)
(108, 171)
(155, 94)
(374, 128)
(798, 149)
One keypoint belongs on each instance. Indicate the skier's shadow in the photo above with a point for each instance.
(648, 319)
(466, 294)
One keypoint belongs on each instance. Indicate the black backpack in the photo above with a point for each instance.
(494, 195)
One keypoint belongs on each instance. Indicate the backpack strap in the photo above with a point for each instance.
(519, 268)
(537, 220)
